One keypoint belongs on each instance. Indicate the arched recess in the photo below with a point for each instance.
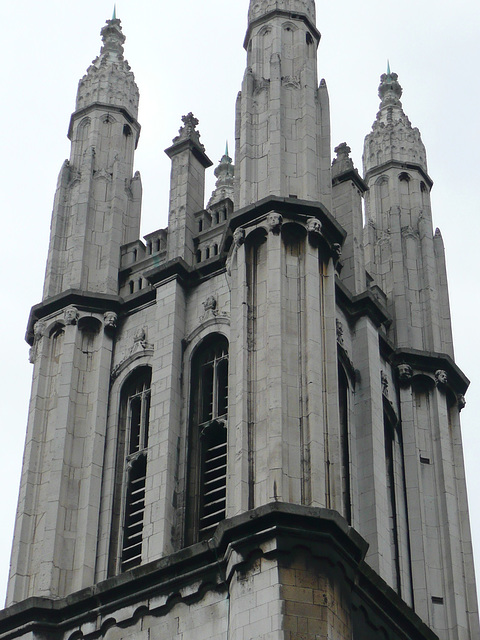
(127, 455)
(207, 437)
(81, 139)
(382, 195)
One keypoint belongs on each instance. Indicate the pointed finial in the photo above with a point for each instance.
(226, 147)
(114, 17)
(388, 67)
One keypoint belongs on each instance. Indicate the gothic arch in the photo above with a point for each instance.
(206, 438)
(127, 458)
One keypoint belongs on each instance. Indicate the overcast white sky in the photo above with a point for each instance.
(188, 56)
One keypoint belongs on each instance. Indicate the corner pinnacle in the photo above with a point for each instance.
(114, 16)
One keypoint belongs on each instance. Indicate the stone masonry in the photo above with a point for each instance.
(246, 425)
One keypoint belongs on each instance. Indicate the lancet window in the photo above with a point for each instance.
(208, 439)
(135, 415)
(343, 408)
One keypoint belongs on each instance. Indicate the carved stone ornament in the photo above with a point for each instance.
(274, 222)
(71, 315)
(314, 226)
(210, 304)
(337, 249)
(405, 373)
(140, 337)
(340, 338)
(384, 383)
(441, 378)
(39, 330)
(239, 237)
(461, 402)
(110, 319)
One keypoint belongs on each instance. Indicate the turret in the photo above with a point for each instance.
(96, 210)
(282, 128)
(399, 244)
(98, 199)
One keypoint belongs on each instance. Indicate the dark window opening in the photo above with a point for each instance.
(390, 450)
(126, 130)
(134, 514)
(309, 38)
(345, 445)
(207, 484)
(136, 417)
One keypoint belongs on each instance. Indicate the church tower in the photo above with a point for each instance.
(245, 426)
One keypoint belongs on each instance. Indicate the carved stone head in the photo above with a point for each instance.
(274, 222)
(337, 248)
(70, 315)
(405, 372)
(441, 377)
(461, 402)
(38, 329)
(239, 237)
(110, 320)
(314, 226)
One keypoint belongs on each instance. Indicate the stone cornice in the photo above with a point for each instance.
(362, 304)
(429, 362)
(99, 302)
(285, 14)
(80, 113)
(353, 176)
(391, 164)
(274, 530)
(190, 145)
(291, 207)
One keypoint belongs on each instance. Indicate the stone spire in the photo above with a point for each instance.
(392, 138)
(224, 173)
(108, 79)
(104, 208)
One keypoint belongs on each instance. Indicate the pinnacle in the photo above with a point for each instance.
(389, 90)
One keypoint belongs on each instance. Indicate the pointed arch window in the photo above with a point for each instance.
(207, 482)
(391, 446)
(132, 467)
(343, 408)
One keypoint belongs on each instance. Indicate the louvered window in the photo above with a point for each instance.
(208, 439)
(137, 410)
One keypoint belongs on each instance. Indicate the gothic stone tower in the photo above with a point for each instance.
(247, 426)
